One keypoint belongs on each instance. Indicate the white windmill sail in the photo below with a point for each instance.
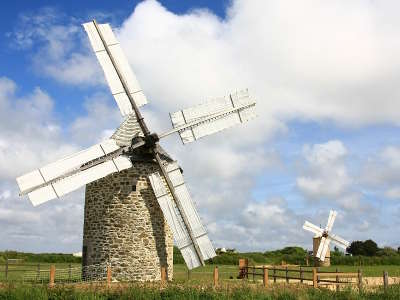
(323, 248)
(339, 241)
(213, 116)
(312, 228)
(175, 221)
(127, 130)
(331, 220)
(115, 66)
(70, 173)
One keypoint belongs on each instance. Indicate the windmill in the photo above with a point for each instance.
(124, 218)
(323, 237)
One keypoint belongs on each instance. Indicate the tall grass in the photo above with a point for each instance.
(281, 292)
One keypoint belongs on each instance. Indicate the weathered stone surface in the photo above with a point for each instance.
(124, 226)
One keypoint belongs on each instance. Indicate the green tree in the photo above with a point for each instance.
(370, 248)
(356, 248)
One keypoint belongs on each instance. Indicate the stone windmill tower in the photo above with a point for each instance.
(322, 239)
(136, 197)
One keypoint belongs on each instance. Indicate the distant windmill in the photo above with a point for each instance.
(323, 237)
(123, 223)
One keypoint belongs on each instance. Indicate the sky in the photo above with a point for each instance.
(325, 77)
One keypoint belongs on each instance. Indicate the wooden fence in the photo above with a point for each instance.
(314, 275)
(51, 275)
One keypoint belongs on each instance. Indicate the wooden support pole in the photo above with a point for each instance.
(274, 275)
(287, 275)
(38, 272)
(385, 280)
(265, 277)
(359, 280)
(6, 270)
(109, 276)
(315, 280)
(70, 272)
(216, 276)
(52, 275)
(337, 280)
(163, 275)
(301, 275)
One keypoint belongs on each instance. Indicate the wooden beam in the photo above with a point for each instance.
(216, 276)
(315, 280)
(52, 275)
(265, 278)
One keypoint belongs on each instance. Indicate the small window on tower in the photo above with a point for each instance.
(134, 185)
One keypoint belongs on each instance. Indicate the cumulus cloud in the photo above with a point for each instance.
(327, 172)
(306, 61)
(30, 137)
(60, 48)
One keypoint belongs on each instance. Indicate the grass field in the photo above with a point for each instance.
(143, 292)
(204, 274)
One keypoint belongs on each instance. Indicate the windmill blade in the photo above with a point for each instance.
(120, 78)
(313, 228)
(213, 116)
(323, 248)
(68, 174)
(331, 220)
(183, 233)
(127, 131)
(339, 241)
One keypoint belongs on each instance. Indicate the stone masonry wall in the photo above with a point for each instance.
(125, 227)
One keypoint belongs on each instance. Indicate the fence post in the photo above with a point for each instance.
(301, 274)
(38, 272)
(287, 274)
(265, 273)
(6, 270)
(52, 275)
(109, 276)
(274, 275)
(163, 275)
(216, 276)
(385, 280)
(315, 281)
(317, 274)
(337, 280)
(359, 280)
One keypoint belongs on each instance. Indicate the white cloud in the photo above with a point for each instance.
(61, 49)
(327, 174)
(393, 193)
(301, 61)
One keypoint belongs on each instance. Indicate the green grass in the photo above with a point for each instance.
(19, 292)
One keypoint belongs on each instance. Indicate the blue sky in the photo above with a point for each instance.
(326, 137)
